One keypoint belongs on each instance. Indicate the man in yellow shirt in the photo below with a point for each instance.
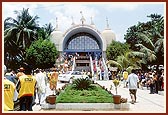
(10, 95)
(26, 88)
(125, 76)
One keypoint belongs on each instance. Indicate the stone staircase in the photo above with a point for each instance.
(82, 63)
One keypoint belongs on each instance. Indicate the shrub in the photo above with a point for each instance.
(94, 94)
(82, 83)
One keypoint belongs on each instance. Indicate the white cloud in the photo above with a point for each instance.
(122, 6)
(65, 12)
(16, 7)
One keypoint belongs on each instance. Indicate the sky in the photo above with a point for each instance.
(120, 15)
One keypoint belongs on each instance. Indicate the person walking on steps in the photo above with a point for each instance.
(132, 82)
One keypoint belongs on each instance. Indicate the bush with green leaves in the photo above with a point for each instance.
(82, 83)
(41, 54)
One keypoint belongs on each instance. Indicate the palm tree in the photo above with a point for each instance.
(152, 52)
(127, 61)
(147, 39)
(18, 35)
(45, 31)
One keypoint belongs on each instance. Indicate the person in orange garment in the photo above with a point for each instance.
(53, 80)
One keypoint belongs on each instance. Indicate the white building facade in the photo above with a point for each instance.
(83, 38)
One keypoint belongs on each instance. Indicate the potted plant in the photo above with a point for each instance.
(116, 97)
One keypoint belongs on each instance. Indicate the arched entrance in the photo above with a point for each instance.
(84, 44)
(84, 40)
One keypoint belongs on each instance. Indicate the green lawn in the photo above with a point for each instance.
(94, 94)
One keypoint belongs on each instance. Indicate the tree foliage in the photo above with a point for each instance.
(19, 33)
(41, 54)
(45, 31)
(116, 49)
(148, 38)
(127, 61)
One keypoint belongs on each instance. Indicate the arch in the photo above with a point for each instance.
(82, 29)
(82, 42)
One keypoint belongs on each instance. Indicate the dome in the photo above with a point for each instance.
(108, 36)
(56, 37)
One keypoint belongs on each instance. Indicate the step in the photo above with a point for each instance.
(87, 107)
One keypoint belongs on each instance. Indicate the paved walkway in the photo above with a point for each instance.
(151, 103)
(146, 103)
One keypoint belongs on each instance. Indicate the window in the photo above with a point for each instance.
(83, 41)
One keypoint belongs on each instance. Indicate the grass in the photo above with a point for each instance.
(94, 94)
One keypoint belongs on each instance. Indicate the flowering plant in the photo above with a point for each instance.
(116, 82)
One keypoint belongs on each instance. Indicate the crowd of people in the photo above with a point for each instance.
(152, 79)
(25, 84)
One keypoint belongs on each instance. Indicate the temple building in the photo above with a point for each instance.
(84, 39)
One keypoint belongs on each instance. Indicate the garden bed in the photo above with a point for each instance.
(94, 98)
(94, 94)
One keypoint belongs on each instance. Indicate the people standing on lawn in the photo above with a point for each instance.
(26, 88)
(132, 85)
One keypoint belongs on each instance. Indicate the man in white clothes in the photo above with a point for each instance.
(41, 86)
(133, 85)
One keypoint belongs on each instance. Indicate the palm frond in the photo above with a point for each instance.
(146, 39)
(112, 62)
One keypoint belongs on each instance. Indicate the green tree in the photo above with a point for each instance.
(41, 54)
(45, 31)
(116, 49)
(127, 61)
(19, 33)
(148, 38)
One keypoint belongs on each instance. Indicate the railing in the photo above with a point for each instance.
(74, 64)
(105, 69)
(91, 64)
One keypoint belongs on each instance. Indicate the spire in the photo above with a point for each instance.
(72, 21)
(82, 19)
(92, 23)
(56, 28)
(107, 23)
